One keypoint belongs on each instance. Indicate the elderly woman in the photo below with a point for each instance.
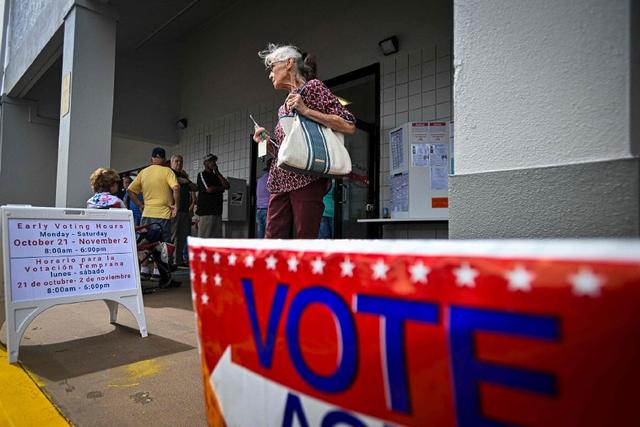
(296, 199)
(104, 183)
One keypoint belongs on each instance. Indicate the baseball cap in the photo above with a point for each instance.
(159, 153)
(210, 157)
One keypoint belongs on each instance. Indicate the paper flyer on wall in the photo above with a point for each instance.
(397, 158)
(438, 155)
(420, 155)
(439, 178)
(400, 192)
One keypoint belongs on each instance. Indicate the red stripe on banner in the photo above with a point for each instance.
(535, 341)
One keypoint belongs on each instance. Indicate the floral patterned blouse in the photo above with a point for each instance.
(316, 96)
(104, 201)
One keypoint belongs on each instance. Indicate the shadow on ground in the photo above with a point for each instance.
(74, 358)
(171, 297)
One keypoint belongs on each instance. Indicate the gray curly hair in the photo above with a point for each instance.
(279, 52)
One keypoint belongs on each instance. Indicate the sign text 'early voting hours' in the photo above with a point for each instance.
(58, 256)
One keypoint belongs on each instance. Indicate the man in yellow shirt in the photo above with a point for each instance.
(161, 194)
(160, 191)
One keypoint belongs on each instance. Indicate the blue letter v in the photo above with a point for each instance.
(265, 347)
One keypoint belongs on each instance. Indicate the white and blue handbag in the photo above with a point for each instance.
(312, 149)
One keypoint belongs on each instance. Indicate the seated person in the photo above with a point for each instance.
(104, 182)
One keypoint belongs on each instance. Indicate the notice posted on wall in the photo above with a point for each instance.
(439, 178)
(439, 155)
(53, 258)
(397, 155)
(400, 192)
(420, 155)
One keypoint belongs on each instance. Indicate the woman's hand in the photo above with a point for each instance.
(257, 135)
(294, 102)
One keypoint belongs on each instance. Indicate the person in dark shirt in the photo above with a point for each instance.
(211, 186)
(181, 224)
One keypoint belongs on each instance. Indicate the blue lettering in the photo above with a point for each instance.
(394, 313)
(468, 371)
(339, 417)
(293, 407)
(265, 348)
(345, 373)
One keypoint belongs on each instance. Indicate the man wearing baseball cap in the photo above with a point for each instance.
(161, 193)
(211, 186)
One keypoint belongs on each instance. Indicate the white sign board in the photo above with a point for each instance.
(57, 256)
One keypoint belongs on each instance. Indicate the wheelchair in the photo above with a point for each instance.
(152, 249)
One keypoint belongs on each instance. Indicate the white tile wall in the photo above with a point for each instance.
(422, 92)
(415, 86)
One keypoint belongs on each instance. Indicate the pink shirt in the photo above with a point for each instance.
(318, 97)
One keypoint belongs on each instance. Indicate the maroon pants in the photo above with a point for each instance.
(301, 208)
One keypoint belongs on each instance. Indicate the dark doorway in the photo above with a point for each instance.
(356, 196)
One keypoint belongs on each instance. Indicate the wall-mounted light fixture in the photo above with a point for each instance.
(182, 124)
(389, 45)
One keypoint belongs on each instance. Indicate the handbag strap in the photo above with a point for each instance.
(302, 88)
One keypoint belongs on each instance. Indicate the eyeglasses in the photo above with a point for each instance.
(270, 67)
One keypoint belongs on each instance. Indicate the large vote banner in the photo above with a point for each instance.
(418, 333)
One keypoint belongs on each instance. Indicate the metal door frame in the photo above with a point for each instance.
(373, 232)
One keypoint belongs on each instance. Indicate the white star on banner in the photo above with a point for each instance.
(519, 279)
(217, 280)
(346, 268)
(205, 299)
(419, 272)
(203, 256)
(248, 261)
(271, 262)
(216, 258)
(191, 255)
(466, 276)
(204, 278)
(293, 263)
(193, 296)
(232, 259)
(380, 270)
(585, 282)
(317, 266)
(192, 275)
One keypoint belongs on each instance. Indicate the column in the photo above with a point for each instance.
(86, 111)
(546, 106)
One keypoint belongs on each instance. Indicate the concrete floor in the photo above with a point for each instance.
(100, 374)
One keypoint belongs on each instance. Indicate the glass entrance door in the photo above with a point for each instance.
(356, 196)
